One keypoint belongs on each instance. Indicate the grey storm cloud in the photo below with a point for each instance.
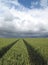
(23, 23)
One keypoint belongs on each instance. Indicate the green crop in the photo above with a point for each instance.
(41, 45)
(27, 51)
(17, 55)
(5, 42)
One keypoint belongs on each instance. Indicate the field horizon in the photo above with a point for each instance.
(23, 51)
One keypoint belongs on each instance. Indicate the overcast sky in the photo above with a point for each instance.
(23, 18)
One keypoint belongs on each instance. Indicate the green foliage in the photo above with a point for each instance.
(17, 55)
(5, 42)
(39, 44)
(21, 53)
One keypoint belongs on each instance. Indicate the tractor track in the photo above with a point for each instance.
(6, 48)
(34, 57)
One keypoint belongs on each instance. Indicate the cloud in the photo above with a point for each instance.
(44, 3)
(22, 21)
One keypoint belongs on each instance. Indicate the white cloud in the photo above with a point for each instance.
(23, 21)
(32, 18)
(44, 3)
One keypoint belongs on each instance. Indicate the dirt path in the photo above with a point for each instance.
(35, 57)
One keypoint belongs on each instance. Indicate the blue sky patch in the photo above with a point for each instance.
(29, 3)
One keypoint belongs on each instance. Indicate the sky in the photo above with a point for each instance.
(23, 18)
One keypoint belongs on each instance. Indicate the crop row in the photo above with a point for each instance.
(6, 48)
(35, 57)
(6, 41)
(39, 44)
(17, 55)
(26, 52)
